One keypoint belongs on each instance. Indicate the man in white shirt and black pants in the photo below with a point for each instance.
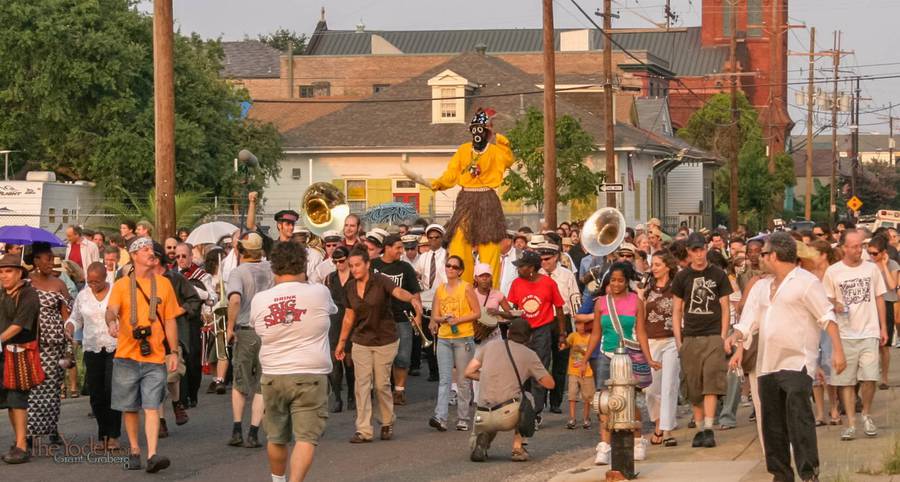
(431, 272)
(787, 311)
(292, 321)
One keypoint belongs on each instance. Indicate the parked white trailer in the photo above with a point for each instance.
(41, 201)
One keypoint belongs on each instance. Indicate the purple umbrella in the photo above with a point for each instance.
(28, 235)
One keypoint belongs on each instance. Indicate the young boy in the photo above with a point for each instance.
(577, 343)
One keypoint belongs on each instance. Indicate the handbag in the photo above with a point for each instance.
(639, 366)
(22, 369)
(525, 427)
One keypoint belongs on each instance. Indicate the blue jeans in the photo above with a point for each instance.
(404, 352)
(450, 351)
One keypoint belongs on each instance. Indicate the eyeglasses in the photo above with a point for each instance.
(452, 266)
(181, 256)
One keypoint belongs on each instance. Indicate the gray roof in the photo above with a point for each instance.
(867, 142)
(408, 124)
(250, 59)
(679, 49)
(653, 114)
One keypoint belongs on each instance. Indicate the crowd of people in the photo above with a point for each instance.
(702, 312)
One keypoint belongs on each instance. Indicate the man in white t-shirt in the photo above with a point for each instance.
(292, 321)
(857, 290)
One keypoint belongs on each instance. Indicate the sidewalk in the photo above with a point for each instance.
(738, 457)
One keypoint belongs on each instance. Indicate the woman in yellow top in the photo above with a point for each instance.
(453, 313)
(478, 221)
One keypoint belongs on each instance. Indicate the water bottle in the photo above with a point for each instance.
(454, 329)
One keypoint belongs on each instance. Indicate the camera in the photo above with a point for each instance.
(142, 335)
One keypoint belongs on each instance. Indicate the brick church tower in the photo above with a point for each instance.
(761, 49)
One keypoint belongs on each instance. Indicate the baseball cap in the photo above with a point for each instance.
(696, 240)
(529, 258)
(482, 268)
(252, 242)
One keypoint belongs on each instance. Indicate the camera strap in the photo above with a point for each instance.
(152, 302)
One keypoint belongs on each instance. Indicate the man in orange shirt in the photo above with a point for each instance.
(141, 315)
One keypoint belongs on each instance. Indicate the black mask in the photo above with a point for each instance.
(480, 136)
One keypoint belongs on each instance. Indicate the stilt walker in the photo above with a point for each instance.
(478, 223)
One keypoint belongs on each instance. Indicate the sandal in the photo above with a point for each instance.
(519, 455)
(670, 442)
(586, 425)
(656, 438)
(835, 421)
(74, 393)
(820, 423)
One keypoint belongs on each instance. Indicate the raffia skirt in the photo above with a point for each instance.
(480, 215)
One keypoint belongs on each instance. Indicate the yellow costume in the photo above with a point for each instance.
(478, 221)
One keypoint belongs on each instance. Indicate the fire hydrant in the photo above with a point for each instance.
(617, 402)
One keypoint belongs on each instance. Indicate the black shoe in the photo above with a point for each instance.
(555, 410)
(538, 420)
(710, 439)
(351, 404)
(181, 416)
(157, 463)
(16, 456)
(699, 439)
(252, 442)
(220, 388)
(337, 406)
(432, 377)
(55, 439)
(212, 387)
(414, 372)
(435, 423)
(692, 424)
(479, 453)
(134, 462)
(236, 440)
(192, 403)
(163, 428)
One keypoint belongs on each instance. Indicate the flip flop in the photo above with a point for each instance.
(820, 423)
(656, 438)
(835, 421)
(670, 442)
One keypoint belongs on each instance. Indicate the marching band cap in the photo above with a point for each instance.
(300, 229)
(435, 227)
(410, 241)
(377, 236)
(288, 215)
(330, 236)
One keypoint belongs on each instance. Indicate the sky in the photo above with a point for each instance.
(868, 26)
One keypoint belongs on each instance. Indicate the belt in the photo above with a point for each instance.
(477, 189)
(498, 406)
(244, 327)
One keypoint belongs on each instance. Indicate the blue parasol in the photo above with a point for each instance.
(28, 235)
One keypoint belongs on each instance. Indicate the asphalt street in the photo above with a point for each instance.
(198, 450)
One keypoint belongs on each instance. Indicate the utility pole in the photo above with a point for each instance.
(891, 160)
(550, 191)
(810, 105)
(735, 127)
(608, 99)
(774, 37)
(854, 132)
(835, 103)
(164, 106)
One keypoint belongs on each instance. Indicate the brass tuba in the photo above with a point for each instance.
(603, 232)
(324, 208)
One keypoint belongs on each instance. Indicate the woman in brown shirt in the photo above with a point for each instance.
(375, 343)
(654, 333)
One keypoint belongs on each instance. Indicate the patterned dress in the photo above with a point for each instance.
(43, 400)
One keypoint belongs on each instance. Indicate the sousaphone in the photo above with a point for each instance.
(324, 208)
(603, 232)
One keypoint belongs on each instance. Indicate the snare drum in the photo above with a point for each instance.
(485, 326)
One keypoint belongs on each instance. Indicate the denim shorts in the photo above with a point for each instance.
(137, 385)
(600, 366)
(404, 352)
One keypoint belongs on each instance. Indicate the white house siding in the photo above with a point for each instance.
(684, 189)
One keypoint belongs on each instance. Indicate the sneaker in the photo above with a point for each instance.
(252, 442)
(479, 452)
(849, 433)
(753, 415)
(435, 423)
(163, 428)
(603, 453)
(181, 416)
(359, 439)
(212, 387)
(692, 424)
(640, 449)
(237, 440)
(400, 397)
(134, 462)
(538, 421)
(586, 425)
(16, 456)
(462, 426)
(387, 432)
(869, 427)
(570, 424)
(699, 439)
(157, 463)
(452, 398)
(519, 455)
(220, 387)
(710, 440)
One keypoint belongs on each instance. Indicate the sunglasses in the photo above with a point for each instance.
(546, 258)
(452, 266)
(626, 255)
(342, 260)
(874, 253)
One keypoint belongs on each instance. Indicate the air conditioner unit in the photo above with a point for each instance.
(296, 173)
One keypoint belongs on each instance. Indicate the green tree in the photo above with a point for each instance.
(711, 128)
(877, 184)
(282, 37)
(575, 179)
(76, 92)
(190, 208)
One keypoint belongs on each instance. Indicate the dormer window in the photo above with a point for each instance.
(448, 92)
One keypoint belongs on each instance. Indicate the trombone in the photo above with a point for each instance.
(426, 343)
(220, 317)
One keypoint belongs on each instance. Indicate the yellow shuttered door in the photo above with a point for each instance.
(379, 192)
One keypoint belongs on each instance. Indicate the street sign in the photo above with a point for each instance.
(854, 203)
(612, 188)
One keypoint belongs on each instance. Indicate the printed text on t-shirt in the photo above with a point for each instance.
(283, 311)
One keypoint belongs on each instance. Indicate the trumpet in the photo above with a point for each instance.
(426, 343)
